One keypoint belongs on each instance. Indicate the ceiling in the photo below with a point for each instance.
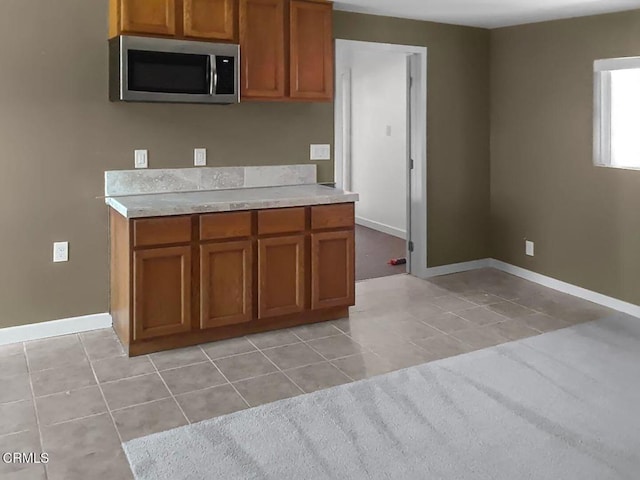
(486, 13)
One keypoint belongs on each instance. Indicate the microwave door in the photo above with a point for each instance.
(168, 76)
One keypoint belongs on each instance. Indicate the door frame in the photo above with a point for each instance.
(417, 138)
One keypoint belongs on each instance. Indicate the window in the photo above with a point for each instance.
(617, 113)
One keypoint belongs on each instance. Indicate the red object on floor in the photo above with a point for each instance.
(397, 261)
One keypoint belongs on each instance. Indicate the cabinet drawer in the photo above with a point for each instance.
(215, 226)
(332, 216)
(161, 231)
(281, 220)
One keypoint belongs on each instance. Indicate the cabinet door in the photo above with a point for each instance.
(209, 19)
(281, 274)
(262, 48)
(161, 291)
(311, 64)
(332, 269)
(225, 283)
(148, 16)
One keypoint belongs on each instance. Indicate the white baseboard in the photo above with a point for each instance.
(381, 227)
(559, 285)
(66, 326)
(54, 328)
(456, 268)
(569, 288)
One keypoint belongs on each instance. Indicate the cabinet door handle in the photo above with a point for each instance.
(213, 75)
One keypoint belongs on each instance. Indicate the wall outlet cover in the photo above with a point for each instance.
(61, 252)
(199, 157)
(141, 158)
(320, 152)
(529, 248)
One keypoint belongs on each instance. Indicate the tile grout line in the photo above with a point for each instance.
(156, 370)
(35, 407)
(367, 349)
(300, 340)
(66, 390)
(224, 376)
(330, 361)
(278, 368)
(169, 390)
(104, 399)
(119, 409)
(74, 419)
(14, 433)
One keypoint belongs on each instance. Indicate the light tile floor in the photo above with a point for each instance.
(78, 397)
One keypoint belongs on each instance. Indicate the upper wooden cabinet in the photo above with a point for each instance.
(286, 46)
(155, 17)
(262, 50)
(287, 50)
(311, 54)
(209, 19)
(213, 20)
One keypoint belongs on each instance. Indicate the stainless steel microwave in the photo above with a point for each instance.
(144, 69)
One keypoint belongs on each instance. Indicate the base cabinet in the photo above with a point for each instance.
(333, 267)
(184, 280)
(161, 292)
(226, 272)
(282, 276)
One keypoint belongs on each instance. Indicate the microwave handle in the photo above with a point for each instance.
(213, 75)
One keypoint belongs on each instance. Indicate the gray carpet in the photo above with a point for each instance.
(560, 406)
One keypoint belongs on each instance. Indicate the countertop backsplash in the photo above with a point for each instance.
(148, 181)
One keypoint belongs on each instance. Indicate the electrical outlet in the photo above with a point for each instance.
(141, 158)
(529, 248)
(61, 252)
(320, 152)
(200, 157)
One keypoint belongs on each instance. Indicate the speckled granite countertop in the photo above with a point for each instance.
(184, 203)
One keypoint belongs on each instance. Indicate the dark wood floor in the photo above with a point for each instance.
(373, 250)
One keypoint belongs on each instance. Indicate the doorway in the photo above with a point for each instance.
(380, 136)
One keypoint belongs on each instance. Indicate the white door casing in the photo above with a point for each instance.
(416, 138)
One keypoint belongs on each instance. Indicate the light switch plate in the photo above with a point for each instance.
(529, 248)
(320, 152)
(199, 157)
(141, 158)
(61, 252)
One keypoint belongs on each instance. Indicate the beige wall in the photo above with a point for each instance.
(583, 219)
(59, 133)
